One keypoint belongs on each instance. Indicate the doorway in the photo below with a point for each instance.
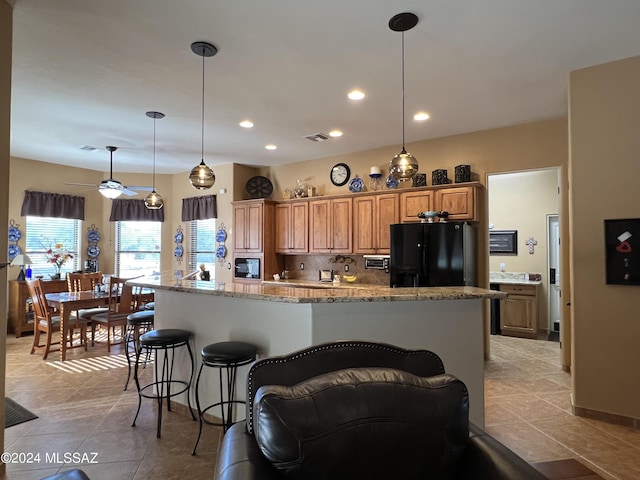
(554, 291)
(529, 203)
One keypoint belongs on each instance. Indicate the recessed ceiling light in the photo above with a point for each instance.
(246, 124)
(356, 95)
(271, 146)
(335, 133)
(421, 116)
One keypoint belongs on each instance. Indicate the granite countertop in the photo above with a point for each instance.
(512, 278)
(289, 291)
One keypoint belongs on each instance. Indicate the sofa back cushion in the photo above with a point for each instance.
(373, 423)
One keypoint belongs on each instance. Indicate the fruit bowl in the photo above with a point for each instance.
(350, 278)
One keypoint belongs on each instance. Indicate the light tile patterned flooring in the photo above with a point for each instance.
(527, 408)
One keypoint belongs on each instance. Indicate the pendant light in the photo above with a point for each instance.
(202, 177)
(403, 166)
(154, 201)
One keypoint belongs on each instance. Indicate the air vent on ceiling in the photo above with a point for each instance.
(317, 137)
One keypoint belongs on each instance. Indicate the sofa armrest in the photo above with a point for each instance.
(240, 457)
(487, 459)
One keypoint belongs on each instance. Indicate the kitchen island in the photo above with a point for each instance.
(279, 319)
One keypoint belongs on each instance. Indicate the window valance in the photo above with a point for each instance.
(57, 205)
(123, 210)
(199, 208)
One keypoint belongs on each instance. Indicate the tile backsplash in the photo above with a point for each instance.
(314, 263)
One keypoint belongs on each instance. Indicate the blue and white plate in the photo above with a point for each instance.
(221, 251)
(356, 185)
(178, 251)
(93, 236)
(392, 182)
(14, 234)
(221, 236)
(13, 251)
(93, 251)
(178, 238)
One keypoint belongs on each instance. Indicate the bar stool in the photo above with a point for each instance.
(137, 323)
(163, 341)
(227, 357)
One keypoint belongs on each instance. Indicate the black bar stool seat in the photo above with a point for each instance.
(163, 341)
(137, 323)
(150, 306)
(227, 357)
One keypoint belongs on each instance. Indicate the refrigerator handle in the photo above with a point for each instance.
(419, 265)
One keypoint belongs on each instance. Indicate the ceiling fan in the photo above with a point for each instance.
(112, 188)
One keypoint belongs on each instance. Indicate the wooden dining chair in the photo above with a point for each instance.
(121, 304)
(81, 282)
(46, 321)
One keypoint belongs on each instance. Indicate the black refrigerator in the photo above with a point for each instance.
(432, 255)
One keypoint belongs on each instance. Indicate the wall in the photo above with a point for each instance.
(604, 172)
(522, 201)
(6, 31)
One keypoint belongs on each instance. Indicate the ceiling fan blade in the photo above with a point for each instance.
(142, 189)
(81, 184)
(126, 191)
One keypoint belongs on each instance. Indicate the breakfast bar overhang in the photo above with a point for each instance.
(282, 319)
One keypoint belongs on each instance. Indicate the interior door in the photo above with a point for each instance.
(553, 288)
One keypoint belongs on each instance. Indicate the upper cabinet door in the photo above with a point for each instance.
(330, 226)
(460, 202)
(248, 227)
(372, 216)
(292, 227)
(412, 203)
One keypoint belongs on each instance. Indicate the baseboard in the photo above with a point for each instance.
(606, 417)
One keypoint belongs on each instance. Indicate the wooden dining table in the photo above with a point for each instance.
(67, 302)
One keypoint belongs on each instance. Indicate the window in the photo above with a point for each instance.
(43, 233)
(203, 245)
(138, 247)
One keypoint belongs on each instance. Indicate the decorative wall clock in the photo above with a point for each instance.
(340, 174)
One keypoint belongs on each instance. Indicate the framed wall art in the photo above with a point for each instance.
(622, 251)
(503, 242)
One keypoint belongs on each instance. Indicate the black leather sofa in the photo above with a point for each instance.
(363, 410)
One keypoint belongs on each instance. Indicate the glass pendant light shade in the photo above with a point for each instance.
(403, 166)
(202, 177)
(154, 201)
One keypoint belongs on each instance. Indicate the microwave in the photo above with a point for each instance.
(247, 268)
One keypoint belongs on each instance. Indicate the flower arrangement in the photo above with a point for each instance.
(58, 255)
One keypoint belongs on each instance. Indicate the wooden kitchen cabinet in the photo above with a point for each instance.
(414, 202)
(330, 225)
(519, 311)
(20, 318)
(292, 227)
(372, 215)
(460, 202)
(252, 226)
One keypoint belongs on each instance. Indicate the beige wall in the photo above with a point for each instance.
(522, 201)
(604, 173)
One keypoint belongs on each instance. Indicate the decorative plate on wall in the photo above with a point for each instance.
(93, 251)
(356, 185)
(178, 251)
(13, 251)
(221, 235)
(14, 234)
(93, 236)
(259, 187)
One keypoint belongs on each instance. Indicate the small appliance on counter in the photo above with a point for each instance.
(325, 275)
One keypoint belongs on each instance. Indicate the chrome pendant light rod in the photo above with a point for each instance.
(202, 177)
(154, 200)
(403, 166)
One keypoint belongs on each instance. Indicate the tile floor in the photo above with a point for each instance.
(527, 408)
